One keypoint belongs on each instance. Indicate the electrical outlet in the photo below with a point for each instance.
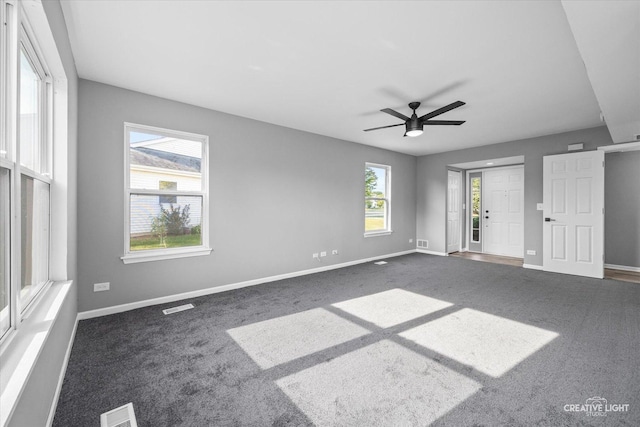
(531, 252)
(101, 287)
(323, 253)
(410, 240)
(334, 252)
(315, 256)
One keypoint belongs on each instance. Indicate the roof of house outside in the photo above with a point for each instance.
(144, 156)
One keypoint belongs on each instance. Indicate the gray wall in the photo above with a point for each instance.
(432, 183)
(622, 212)
(37, 396)
(277, 196)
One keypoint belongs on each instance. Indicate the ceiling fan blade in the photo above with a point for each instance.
(442, 110)
(384, 127)
(395, 114)
(443, 122)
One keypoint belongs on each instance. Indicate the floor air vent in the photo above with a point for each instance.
(424, 244)
(177, 309)
(119, 417)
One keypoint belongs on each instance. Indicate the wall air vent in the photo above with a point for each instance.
(423, 244)
(177, 309)
(119, 417)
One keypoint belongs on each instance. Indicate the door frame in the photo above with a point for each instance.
(467, 214)
(460, 209)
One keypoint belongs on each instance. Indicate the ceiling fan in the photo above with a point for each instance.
(414, 123)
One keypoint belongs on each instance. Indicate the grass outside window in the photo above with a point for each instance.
(146, 242)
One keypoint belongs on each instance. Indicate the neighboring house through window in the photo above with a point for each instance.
(171, 186)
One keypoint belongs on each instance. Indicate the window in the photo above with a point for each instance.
(168, 185)
(5, 214)
(475, 209)
(25, 168)
(377, 199)
(34, 187)
(34, 241)
(166, 194)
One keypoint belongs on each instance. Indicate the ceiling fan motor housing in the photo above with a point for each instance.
(413, 124)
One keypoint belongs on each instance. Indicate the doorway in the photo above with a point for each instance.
(495, 218)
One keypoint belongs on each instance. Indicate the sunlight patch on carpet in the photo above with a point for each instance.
(381, 384)
(283, 339)
(392, 307)
(491, 344)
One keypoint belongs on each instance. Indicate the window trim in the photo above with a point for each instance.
(387, 199)
(131, 257)
(25, 32)
(43, 158)
(42, 161)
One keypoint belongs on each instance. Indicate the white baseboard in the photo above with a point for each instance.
(424, 251)
(63, 372)
(194, 294)
(532, 266)
(622, 267)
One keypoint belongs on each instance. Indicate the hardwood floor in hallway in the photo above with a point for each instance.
(609, 273)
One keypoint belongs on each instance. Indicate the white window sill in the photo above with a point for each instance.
(20, 354)
(378, 233)
(164, 254)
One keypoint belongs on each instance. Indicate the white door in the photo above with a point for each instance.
(503, 212)
(573, 226)
(453, 211)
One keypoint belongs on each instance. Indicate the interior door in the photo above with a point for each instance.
(573, 230)
(453, 211)
(503, 212)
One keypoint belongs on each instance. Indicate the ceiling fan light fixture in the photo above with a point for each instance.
(414, 127)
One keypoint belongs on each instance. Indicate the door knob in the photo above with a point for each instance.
(549, 219)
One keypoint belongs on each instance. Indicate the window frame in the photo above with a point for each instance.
(387, 201)
(471, 194)
(42, 157)
(130, 256)
(19, 38)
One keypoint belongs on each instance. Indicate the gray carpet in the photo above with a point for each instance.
(422, 340)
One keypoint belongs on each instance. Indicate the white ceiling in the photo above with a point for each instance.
(329, 67)
(608, 37)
